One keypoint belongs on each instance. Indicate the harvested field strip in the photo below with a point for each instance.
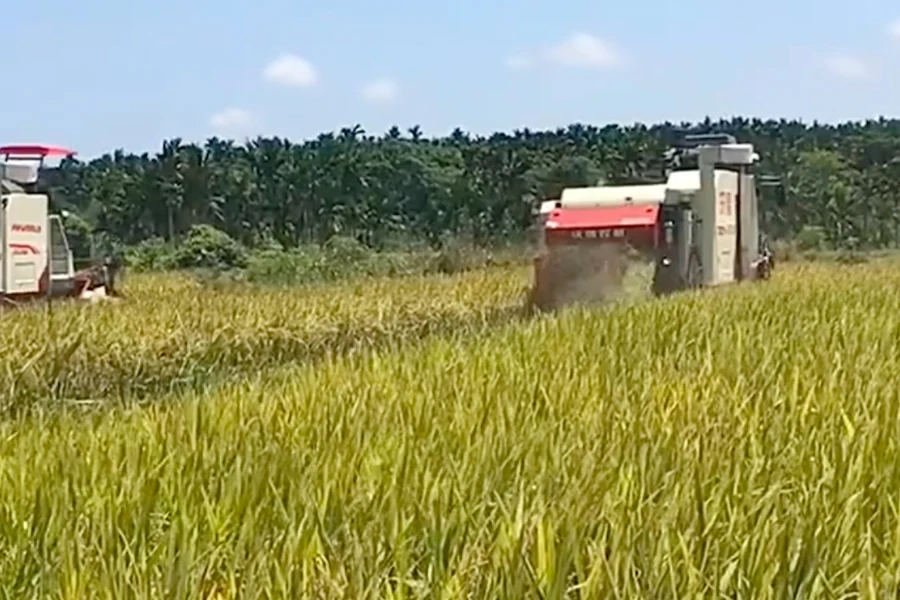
(734, 443)
(172, 334)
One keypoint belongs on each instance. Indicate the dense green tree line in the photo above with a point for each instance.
(843, 180)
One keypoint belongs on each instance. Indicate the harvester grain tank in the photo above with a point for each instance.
(699, 229)
(35, 259)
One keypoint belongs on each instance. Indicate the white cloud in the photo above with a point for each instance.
(584, 50)
(894, 29)
(848, 67)
(518, 63)
(291, 70)
(232, 120)
(381, 90)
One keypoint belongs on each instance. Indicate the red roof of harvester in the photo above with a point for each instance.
(641, 215)
(35, 150)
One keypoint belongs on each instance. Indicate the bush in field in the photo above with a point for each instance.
(151, 255)
(217, 259)
(329, 263)
(206, 247)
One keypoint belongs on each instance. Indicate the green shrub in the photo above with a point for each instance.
(154, 254)
(209, 248)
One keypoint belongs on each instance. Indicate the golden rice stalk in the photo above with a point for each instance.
(737, 442)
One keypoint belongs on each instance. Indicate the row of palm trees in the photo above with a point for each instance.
(842, 179)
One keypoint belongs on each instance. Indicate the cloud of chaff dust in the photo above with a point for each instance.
(590, 273)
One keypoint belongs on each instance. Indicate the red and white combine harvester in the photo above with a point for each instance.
(35, 259)
(700, 228)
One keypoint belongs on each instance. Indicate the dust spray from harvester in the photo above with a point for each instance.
(574, 274)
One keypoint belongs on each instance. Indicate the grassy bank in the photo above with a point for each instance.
(215, 256)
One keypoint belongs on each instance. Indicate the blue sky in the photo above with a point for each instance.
(101, 74)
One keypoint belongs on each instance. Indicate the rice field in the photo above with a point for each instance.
(174, 333)
(740, 442)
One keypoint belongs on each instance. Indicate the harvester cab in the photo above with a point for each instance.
(700, 228)
(36, 261)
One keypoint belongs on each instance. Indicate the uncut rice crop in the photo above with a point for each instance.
(740, 442)
(172, 332)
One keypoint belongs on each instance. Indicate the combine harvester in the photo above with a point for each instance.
(699, 229)
(36, 262)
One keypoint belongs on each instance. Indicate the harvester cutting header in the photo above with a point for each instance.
(35, 259)
(700, 228)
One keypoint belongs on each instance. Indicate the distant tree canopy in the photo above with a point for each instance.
(841, 180)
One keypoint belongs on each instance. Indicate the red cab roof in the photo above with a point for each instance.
(641, 215)
(35, 150)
